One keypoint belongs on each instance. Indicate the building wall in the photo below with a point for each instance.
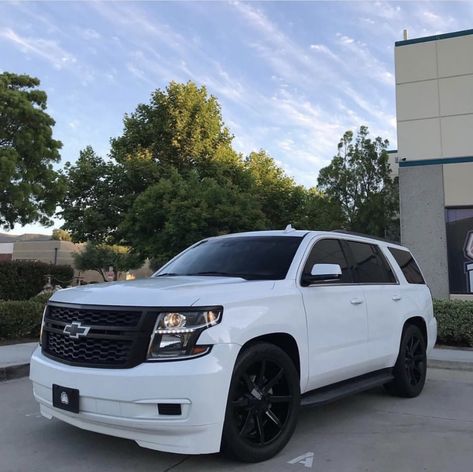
(59, 252)
(434, 101)
(434, 97)
(6, 251)
(392, 159)
(423, 223)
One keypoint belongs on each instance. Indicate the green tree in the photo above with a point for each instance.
(180, 210)
(89, 207)
(317, 212)
(281, 199)
(61, 235)
(174, 178)
(181, 126)
(359, 180)
(100, 257)
(30, 188)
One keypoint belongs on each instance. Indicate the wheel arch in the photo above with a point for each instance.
(420, 323)
(284, 341)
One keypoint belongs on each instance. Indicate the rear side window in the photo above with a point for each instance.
(369, 264)
(408, 266)
(329, 251)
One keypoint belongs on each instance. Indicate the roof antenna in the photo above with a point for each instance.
(289, 228)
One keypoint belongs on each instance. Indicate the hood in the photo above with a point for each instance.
(157, 291)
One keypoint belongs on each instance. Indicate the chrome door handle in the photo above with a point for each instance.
(356, 301)
(396, 298)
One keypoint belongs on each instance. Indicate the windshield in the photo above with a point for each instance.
(252, 258)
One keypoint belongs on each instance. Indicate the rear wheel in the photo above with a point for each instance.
(411, 365)
(262, 405)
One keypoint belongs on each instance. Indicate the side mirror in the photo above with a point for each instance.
(322, 273)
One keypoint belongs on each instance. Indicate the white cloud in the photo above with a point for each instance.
(90, 34)
(44, 48)
(322, 48)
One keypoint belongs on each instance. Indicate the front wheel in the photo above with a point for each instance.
(263, 404)
(411, 365)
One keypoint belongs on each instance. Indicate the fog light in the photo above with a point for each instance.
(169, 409)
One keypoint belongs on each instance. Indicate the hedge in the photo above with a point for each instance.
(21, 280)
(20, 319)
(455, 322)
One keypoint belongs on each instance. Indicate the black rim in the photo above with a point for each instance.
(262, 402)
(414, 360)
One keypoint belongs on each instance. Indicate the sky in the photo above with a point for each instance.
(291, 77)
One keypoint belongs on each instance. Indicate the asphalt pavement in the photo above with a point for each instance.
(371, 431)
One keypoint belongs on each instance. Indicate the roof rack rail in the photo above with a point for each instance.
(363, 235)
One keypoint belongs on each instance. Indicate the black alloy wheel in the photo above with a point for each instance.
(411, 365)
(262, 405)
(414, 360)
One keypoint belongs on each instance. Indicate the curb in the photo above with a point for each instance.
(450, 365)
(16, 371)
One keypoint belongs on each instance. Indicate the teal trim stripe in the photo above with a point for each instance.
(391, 151)
(435, 37)
(433, 162)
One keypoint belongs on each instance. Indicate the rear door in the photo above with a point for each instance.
(383, 297)
(336, 319)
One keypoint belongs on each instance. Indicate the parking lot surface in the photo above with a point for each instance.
(367, 432)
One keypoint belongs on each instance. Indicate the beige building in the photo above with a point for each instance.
(434, 102)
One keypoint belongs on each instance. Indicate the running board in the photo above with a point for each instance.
(330, 393)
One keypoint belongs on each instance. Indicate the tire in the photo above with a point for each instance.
(411, 365)
(262, 405)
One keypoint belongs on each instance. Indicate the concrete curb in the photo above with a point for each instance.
(11, 372)
(449, 365)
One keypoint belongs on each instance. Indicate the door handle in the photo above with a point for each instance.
(356, 301)
(396, 298)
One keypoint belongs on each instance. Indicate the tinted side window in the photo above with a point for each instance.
(408, 266)
(370, 265)
(329, 251)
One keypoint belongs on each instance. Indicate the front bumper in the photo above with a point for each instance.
(123, 402)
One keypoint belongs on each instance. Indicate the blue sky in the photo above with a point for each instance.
(290, 77)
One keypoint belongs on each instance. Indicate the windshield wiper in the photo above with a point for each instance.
(220, 274)
(167, 274)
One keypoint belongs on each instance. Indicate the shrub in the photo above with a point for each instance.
(21, 280)
(20, 319)
(455, 322)
(41, 298)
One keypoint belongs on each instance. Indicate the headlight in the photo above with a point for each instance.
(175, 333)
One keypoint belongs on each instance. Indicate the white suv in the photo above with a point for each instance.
(220, 348)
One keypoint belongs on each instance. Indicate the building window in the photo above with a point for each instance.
(460, 249)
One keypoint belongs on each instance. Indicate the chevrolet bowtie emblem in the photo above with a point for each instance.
(76, 330)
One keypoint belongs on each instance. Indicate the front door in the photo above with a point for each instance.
(336, 319)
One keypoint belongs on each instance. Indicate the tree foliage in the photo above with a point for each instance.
(180, 127)
(178, 211)
(61, 235)
(173, 178)
(359, 180)
(100, 257)
(30, 188)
